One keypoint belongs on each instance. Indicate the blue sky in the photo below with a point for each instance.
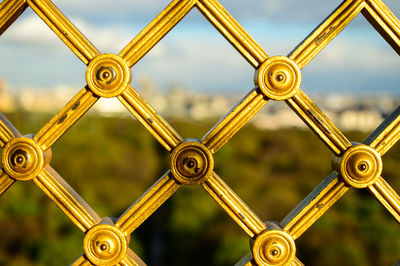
(194, 55)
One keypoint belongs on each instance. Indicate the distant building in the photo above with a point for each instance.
(7, 102)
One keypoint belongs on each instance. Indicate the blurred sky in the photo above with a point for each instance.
(194, 55)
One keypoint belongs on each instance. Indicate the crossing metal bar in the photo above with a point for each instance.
(10, 10)
(109, 75)
(147, 203)
(233, 205)
(66, 118)
(314, 205)
(64, 29)
(326, 32)
(318, 122)
(228, 126)
(384, 21)
(154, 123)
(232, 31)
(5, 182)
(65, 197)
(156, 30)
(387, 197)
(387, 134)
(7, 130)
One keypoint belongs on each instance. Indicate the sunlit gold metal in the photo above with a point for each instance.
(107, 75)
(153, 122)
(23, 159)
(232, 31)
(273, 247)
(64, 29)
(105, 244)
(314, 205)
(359, 166)
(65, 119)
(229, 125)
(191, 161)
(148, 203)
(279, 78)
(10, 10)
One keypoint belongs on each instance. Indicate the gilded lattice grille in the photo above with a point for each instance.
(106, 241)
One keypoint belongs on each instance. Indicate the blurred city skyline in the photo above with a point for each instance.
(194, 55)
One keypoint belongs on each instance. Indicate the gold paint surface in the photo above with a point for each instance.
(274, 247)
(107, 75)
(22, 159)
(279, 78)
(192, 162)
(104, 244)
(64, 29)
(359, 166)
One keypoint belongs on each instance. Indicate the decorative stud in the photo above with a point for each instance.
(23, 159)
(105, 244)
(278, 78)
(108, 75)
(273, 247)
(359, 166)
(191, 162)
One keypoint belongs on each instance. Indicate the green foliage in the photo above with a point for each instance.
(112, 161)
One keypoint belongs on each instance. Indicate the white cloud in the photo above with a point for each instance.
(350, 55)
(192, 54)
(31, 30)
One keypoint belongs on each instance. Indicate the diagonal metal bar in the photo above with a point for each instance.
(7, 130)
(248, 260)
(10, 10)
(66, 118)
(296, 262)
(314, 205)
(131, 259)
(233, 205)
(326, 32)
(387, 134)
(81, 261)
(386, 196)
(65, 197)
(228, 126)
(64, 29)
(232, 31)
(318, 122)
(148, 203)
(5, 182)
(156, 30)
(384, 21)
(154, 123)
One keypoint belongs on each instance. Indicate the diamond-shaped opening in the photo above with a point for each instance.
(269, 168)
(193, 73)
(355, 231)
(38, 73)
(279, 25)
(62, 162)
(351, 78)
(192, 225)
(110, 25)
(110, 162)
(35, 230)
(107, 154)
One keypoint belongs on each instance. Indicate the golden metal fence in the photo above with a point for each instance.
(106, 241)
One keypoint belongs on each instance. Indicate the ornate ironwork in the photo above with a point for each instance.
(276, 78)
